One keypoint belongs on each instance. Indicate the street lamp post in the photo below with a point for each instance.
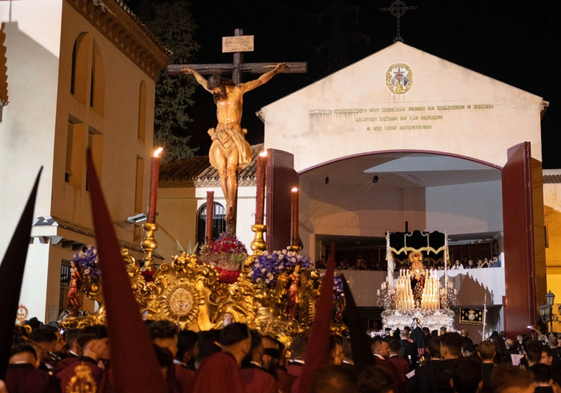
(546, 311)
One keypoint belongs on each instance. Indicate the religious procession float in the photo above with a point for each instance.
(274, 292)
(417, 292)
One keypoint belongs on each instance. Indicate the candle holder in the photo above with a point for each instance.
(294, 248)
(258, 243)
(149, 244)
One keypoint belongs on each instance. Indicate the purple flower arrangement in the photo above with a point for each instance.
(338, 291)
(86, 261)
(269, 266)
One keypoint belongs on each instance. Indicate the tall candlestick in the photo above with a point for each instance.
(294, 211)
(154, 174)
(209, 216)
(260, 197)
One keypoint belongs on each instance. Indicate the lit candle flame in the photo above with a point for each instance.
(158, 151)
(263, 153)
(294, 189)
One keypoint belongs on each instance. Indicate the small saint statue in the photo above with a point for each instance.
(292, 308)
(417, 272)
(75, 284)
(230, 152)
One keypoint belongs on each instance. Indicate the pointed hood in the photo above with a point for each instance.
(133, 360)
(317, 350)
(360, 342)
(11, 277)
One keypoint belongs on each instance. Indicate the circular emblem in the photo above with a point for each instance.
(181, 301)
(399, 78)
(22, 314)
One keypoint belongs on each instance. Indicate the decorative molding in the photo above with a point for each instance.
(123, 28)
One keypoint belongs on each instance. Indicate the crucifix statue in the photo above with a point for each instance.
(230, 152)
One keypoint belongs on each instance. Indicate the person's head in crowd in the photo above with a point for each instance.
(534, 350)
(405, 334)
(208, 345)
(236, 340)
(552, 340)
(348, 353)
(520, 339)
(442, 331)
(375, 379)
(256, 353)
(336, 355)
(271, 354)
(395, 347)
(543, 375)
(71, 338)
(510, 343)
(60, 346)
(187, 346)
(298, 349)
(94, 342)
(434, 348)
(450, 346)
(380, 348)
(468, 350)
(165, 360)
(503, 334)
(506, 378)
(407, 329)
(46, 341)
(547, 356)
(467, 376)
(34, 323)
(426, 331)
(334, 379)
(387, 331)
(21, 354)
(282, 357)
(434, 333)
(164, 335)
(486, 351)
(464, 332)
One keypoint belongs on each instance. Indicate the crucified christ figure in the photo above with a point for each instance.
(230, 152)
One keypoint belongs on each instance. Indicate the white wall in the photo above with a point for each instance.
(465, 208)
(485, 134)
(32, 40)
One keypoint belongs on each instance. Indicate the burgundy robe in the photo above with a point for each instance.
(258, 380)
(219, 373)
(402, 368)
(284, 381)
(100, 375)
(185, 377)
(24, 378)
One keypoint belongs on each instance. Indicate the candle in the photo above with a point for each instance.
(294, 211)
(209, 216)
(260, 199)
(154, 174)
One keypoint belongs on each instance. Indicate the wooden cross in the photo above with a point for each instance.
(397, 9)
(237, 68)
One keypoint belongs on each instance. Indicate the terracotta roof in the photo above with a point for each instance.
(552, 178)
(197, 172)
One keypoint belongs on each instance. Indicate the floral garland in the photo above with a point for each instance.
(86, 261)
(268, 266)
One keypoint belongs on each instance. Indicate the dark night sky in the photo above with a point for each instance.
(515, 45)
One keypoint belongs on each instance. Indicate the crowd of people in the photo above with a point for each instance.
(239, 359)
(362, 264)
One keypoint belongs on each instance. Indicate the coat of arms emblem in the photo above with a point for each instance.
(399, 78)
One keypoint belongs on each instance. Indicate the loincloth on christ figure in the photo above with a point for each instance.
(230, 138)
